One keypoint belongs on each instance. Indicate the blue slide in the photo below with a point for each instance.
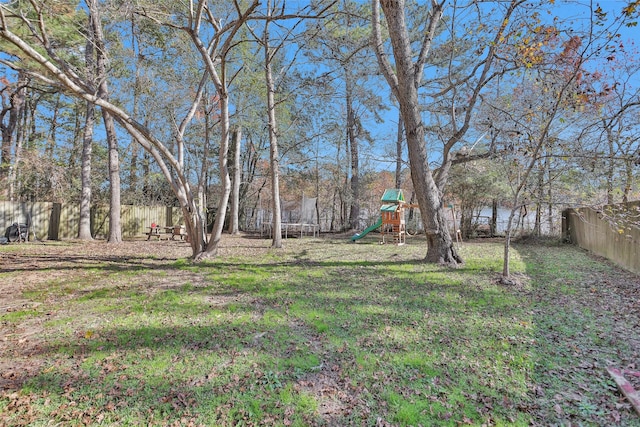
(366, 230)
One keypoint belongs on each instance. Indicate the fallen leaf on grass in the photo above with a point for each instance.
(616, 416)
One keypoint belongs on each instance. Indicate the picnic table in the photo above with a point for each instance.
(168, 231)
(154, 231)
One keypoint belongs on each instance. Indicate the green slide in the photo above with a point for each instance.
(366, 230)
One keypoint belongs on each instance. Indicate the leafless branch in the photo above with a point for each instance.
(378, 47)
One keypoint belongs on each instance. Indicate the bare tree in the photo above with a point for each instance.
(212, 54)
(270, 54)
(53, 69)
(274, 156)
(404, 81)
(619, 105)
(461, 74)
(115, 231)
(529, 130)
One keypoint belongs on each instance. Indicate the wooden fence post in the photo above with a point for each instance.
(566, 221)
(169, 214)
(54, 222)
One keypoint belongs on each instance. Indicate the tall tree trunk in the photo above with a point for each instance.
(84, 225)
(235, 190)
(493, 227)
(115, 232)
(538, 221)
(53, 128)
(506, 266)
(466, 221)
(225, 181)
(133, 170)
(146, 178)
(550, 227)
(135, 148)
(8, 129)
(15, 187)
(352, 144)
(273, 136)
(51, 142)
(78, 129)
(404, 84)
(628, 181)
(25, 137)
(317, 187)
(610, 165)
(203, 180)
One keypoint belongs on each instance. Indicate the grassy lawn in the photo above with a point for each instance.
(322, 332)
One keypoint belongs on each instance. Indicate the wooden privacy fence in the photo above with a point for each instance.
(612, 232)
(54, 221)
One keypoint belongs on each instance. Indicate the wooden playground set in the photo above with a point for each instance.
(392, 223)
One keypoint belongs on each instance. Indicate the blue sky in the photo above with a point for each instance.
(385, 133)
(577, 13)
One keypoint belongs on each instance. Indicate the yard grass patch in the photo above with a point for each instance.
(322, 332)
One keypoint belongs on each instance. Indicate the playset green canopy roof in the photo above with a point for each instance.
(392, 195)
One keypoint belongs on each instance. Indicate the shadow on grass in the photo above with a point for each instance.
(217, 374)
(33, 263)
(400, 342)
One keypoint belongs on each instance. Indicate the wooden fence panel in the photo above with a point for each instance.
(60, 221)
(611, 232)
(99, 221)
(69, 221)
(35, 213)
(135, 220)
